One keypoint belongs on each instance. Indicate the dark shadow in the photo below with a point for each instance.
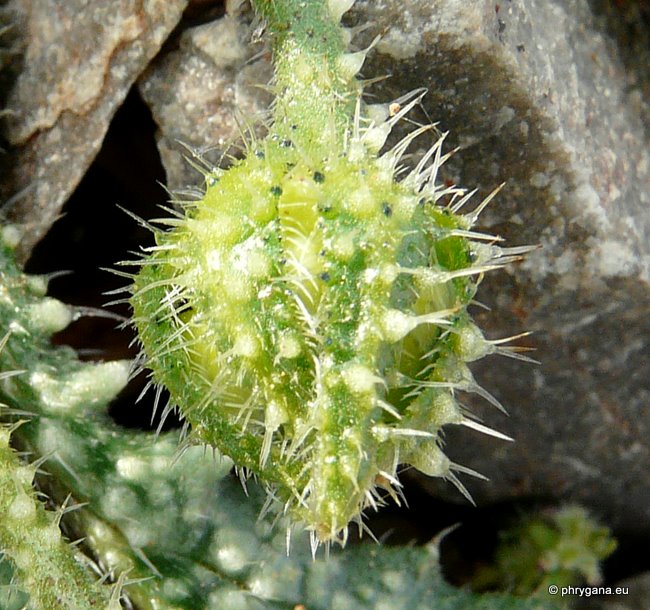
(94, 234)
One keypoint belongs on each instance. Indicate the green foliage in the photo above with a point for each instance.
(562, 547)
(11, 596)
(192, 523)
(34, 376)
(44, 565)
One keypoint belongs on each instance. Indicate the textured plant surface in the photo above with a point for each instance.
(563, 547)
(309, 314)
(33, 376)
(176, 529)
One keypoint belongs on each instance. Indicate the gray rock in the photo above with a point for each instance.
(205, 94)
(80, 59)
(628, 23)
(534, 93)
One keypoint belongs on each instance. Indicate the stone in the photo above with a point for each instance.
(628, 23)
(79, 60)
(537, 95)
(206, 93)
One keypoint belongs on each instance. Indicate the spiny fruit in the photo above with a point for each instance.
(309, 314)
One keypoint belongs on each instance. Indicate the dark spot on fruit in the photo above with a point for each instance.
(386, 209)
(276, 191)
(318, 177)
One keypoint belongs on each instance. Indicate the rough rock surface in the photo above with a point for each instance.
(628, 23)
(80, 60)
(534, 93)
(205, 93)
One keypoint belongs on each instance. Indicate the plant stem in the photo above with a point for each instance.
(313, 89)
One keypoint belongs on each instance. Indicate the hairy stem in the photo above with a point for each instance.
(315, 85)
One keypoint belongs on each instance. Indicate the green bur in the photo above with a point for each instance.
(309, 314)
(561, 547)
(175, 530)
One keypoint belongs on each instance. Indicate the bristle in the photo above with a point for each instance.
(460, 487)
(472, 217)
(141, 221)
(485, 430)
